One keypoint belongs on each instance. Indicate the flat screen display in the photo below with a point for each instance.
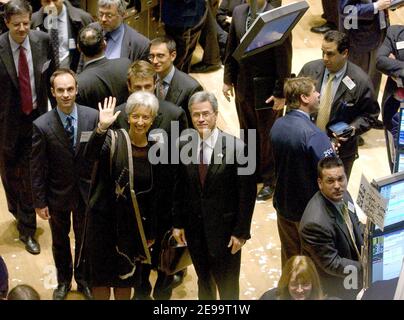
(394, 193)
(270, 29)
(387, 255)
(401, 132)
(272, 32)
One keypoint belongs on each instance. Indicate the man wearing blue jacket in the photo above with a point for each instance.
(298, 145)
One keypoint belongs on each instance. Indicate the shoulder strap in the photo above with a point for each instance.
(112, 149)
(134, 199)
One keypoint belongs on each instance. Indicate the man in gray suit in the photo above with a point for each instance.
(24, 61)
(346, 94)
(122, 40)
(100, 77)
(331, 232)
(61, 176)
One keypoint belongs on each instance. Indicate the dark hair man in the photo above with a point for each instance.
(331, 233)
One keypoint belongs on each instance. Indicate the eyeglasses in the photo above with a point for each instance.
(205, 115)
(109, 16)
(158, 56)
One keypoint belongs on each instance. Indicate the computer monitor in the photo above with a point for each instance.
(392, 189)
(270, 29)
(387, 253)
(396, 4)
(400, 142)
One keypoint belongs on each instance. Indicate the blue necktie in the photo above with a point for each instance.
(69, 128)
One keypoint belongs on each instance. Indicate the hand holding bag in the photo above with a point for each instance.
(173, 257)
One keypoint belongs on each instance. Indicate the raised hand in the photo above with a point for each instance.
(107, 116)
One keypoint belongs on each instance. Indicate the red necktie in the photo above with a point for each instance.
(25, 83)
(203, 167)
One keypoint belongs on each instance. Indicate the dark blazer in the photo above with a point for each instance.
(182, 87)
(167, 113)
(223, 207)
(325, 238)
(225, 9)
(368, 35)
(135, 46)
(78, 19)
(101, 79)
(274, 64)
(10, 109)
(357, 107)
(391, 67)
(296, 181)
(59, 174)
(182, 13)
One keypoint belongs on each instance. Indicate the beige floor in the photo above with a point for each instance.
(260, 269)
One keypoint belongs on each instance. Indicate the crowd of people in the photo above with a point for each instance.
(104, 129)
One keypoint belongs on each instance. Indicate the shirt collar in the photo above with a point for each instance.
(94, 60)
(211, 140)
(15, 46)
(115, 34)
(303, 112)
(63, 15)
(167, 79)
(63, 116)
(338, 74)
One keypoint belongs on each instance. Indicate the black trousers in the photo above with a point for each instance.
(290, 239)
(262, 121)
(215, 273)
(186, 40)
(60, 223)
(209, 40)
(330, 9)
(16, 178)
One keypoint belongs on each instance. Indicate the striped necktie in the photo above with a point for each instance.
(348, 223)
(324, 111)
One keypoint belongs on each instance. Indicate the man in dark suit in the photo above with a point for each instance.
(305, 142)
(100, 77)
(172, 84)
(390, 61)
(347, 95)
(61, 176)
(366, 28)
(331, 232)
(24, 64)
(257, 76)
(214, 201)
(142, 77)
(69, 22)
(122, 40)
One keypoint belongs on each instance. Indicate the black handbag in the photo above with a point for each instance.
(173, 257)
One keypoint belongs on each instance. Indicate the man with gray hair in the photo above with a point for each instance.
(213, 201)
(122, 40)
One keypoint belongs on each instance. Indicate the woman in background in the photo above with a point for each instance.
(299, 281)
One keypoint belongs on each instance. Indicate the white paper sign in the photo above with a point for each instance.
(371, 202)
